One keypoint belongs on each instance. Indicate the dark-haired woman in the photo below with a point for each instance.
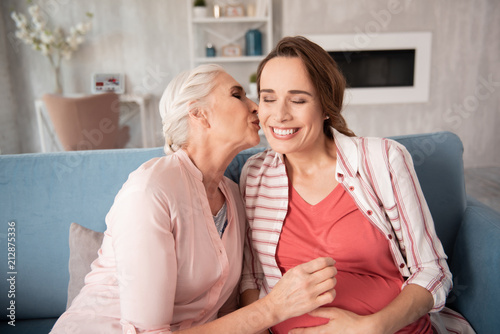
(321, 191)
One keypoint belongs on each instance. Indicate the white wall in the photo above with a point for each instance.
(9, 134)
(465, 54)
(147, 40)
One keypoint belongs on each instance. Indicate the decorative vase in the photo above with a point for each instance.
(200, 11)
(56, 68)
(57, 77)
(253, 42)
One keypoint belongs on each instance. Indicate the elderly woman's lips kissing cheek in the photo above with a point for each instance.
(256, 122)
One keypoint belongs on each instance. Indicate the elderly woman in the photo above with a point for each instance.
(322, 191)
(171, 257)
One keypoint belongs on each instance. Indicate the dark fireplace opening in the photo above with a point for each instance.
(376, 68)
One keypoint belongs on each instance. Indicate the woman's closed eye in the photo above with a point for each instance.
(268, 99)
(237, 92)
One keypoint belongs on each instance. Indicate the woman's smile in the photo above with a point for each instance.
(284, 133)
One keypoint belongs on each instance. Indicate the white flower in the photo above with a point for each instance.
(23, 35)
(80, 28)
(20, 20)
(46, 37)
(44, 49)
(16, 18)
(72, 42)
(34, 10)
(38, 24)
(53, 43)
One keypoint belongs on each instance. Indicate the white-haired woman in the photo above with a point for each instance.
(171, 257)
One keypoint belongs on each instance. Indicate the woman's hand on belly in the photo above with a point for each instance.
(304, 288)
(340, 321)
(409, 306)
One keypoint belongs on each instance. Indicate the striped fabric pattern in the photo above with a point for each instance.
(378, 173)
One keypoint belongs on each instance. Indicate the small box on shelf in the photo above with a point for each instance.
(234, 10)
(231, 50)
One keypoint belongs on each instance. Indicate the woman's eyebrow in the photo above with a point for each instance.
(299, 92)
(267, 91)
(237, 87)
(295, 91)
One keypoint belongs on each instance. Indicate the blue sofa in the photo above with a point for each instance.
(41, 194)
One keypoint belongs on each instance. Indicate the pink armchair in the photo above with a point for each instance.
(88, 122)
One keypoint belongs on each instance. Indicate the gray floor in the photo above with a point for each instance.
(484, 185)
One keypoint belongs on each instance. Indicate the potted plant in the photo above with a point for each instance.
(200, 8)
(54, 43)
(253, 85)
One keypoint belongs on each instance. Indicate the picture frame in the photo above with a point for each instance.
(234, 10)
(231, 50)
(107, 83)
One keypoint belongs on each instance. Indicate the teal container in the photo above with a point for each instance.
(253, 42)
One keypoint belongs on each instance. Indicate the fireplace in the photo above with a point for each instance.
(382, 68)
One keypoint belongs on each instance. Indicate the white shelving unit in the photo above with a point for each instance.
(224, 31)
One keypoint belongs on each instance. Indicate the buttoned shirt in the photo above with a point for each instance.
(162, 265)
(379, 175)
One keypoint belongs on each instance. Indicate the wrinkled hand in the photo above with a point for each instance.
(304, 288)
(341, 321)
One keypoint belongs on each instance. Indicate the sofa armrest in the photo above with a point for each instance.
(476, 268)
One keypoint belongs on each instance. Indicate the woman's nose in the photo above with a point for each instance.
(252, 106)
(281, 114)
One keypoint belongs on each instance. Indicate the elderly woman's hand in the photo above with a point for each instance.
(304, 288)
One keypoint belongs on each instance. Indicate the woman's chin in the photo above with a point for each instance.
(279, 146)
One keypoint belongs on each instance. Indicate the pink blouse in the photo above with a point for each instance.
(162, 265)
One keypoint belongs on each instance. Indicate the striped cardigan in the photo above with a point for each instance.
(379, 175)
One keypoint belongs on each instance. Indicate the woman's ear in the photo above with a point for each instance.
(199, 116)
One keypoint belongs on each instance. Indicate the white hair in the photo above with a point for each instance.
(184, 93)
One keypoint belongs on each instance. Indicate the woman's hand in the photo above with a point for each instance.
(304, 288)
(340, 321)
(412, 303)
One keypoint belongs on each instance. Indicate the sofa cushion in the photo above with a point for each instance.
(476, 268)
(83, 247)
(438, 162)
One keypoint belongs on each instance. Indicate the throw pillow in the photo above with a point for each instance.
(83, 247)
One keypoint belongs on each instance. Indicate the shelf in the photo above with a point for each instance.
(230, 30)
(229, 59)
(230, 19)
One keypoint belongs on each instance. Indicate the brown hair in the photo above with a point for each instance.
(325, 76)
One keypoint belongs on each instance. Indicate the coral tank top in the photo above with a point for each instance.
(367, 278)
